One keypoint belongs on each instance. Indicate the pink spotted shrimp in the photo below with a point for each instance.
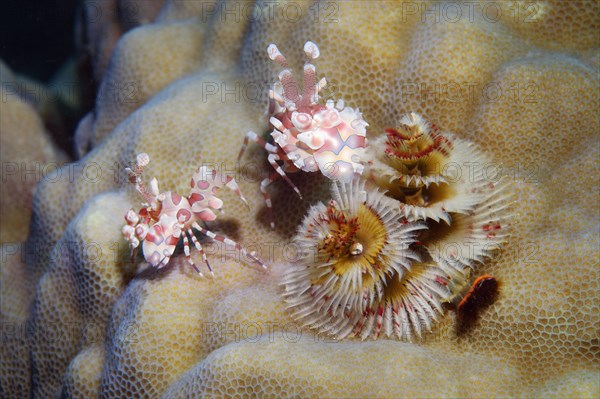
(168, 217)
(308, 135)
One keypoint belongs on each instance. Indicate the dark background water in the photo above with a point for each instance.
(37, 36)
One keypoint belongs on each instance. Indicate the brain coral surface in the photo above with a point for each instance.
(520, 79)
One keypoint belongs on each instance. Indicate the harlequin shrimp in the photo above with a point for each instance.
(167, 217)
(308, 136)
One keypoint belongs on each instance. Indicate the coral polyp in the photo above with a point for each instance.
(350, 248)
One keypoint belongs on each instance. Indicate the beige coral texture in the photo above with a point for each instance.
(82, 321)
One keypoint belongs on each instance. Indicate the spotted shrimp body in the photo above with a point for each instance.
(308, 135)
(168, 217)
